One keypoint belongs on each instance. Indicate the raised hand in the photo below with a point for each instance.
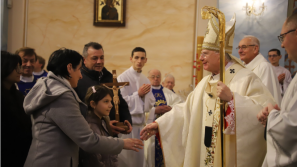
(144, 89)
(149, 130)
(223, 92)
(133, 144)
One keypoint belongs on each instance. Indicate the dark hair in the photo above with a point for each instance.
(277, 51)
(138, 49)
(101, 92)
(292, 20)
(9, 63)
(41, 60)
(59, 60)
(27, 51)
(93, 45)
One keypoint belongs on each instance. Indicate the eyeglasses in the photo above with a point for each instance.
(282, 36)
(243, 47)
(19, 69)
(155, 77)
(272, 56)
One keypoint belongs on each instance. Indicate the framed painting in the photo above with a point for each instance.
(109, 13)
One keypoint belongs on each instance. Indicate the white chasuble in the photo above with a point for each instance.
(182, 130)
(138, 107)
(282, 131)
(264, 70)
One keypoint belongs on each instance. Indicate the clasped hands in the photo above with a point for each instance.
(263, 114)
(116, 130)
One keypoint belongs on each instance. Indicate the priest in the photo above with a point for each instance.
(282, 121)
(190, 133)
(283, 74)
(249, 52)
(165, 99)
(140, 100)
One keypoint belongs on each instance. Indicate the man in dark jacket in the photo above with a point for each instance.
(94, 73)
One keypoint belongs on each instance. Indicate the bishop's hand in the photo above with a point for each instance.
(223, 92)
(149, 130)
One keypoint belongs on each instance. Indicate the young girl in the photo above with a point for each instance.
(98, 99)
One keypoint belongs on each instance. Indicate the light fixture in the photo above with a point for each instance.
(253, 8)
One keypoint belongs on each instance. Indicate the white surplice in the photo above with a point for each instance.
(264, 70)
(182, 132)
(138, 107)
(288, 78)
(149, 145)
(282, 131)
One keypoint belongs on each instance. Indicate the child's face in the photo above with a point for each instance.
(103, 106)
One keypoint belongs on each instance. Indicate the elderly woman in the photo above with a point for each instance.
(59, 128)
(16, 135)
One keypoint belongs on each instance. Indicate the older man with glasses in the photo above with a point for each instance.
(249, 52)
(165, 99)
(282, 121)
(283, 75)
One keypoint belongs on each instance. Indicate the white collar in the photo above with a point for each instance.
(156, 87)
(38, 73)
(217, 76)
(27, 79)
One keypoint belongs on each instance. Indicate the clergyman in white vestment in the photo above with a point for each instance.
(248, 49)
(283, 75)
(190, 133)
(140, 100)
(282, 121)
(165, 100)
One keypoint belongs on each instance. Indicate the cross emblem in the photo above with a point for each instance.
(232, 71)
(290, 66)
(209, 112)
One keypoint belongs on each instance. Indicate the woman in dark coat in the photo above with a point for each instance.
(16, 135)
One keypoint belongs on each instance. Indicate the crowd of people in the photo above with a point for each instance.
(65, 116)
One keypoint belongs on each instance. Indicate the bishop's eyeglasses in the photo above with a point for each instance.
(281, 37)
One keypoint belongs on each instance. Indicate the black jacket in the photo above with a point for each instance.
(16, 134)
(91, 78)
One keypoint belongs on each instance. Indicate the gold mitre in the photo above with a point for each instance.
(211, 39)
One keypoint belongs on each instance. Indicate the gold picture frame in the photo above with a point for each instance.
(110, 13)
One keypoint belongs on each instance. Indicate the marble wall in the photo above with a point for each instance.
(164, 28)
